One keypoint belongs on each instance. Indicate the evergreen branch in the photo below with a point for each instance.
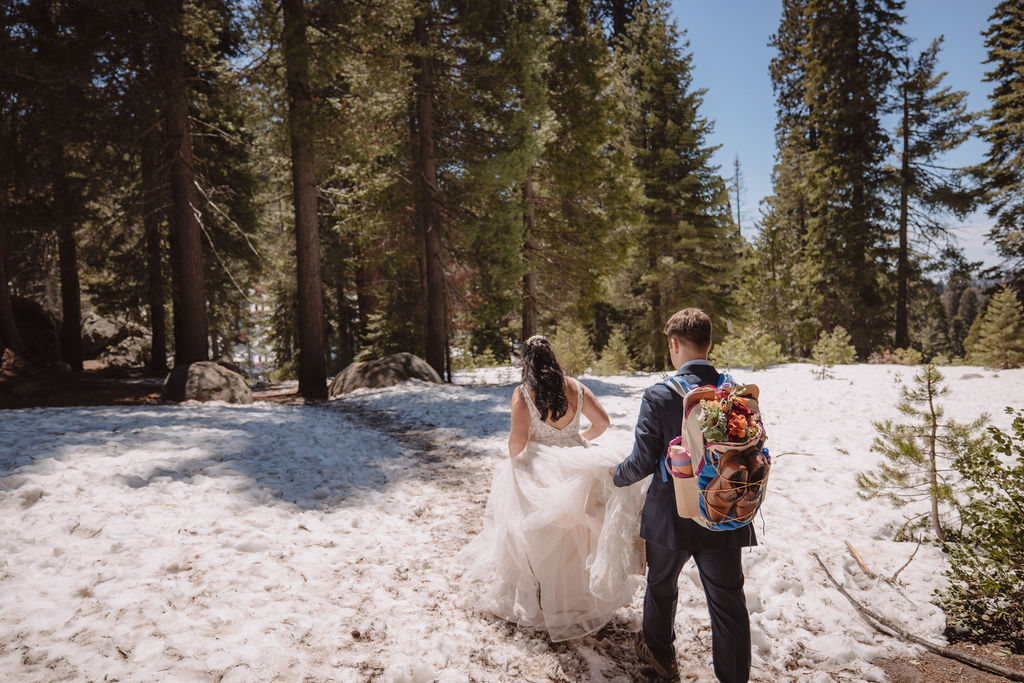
(226, 217)
(209, 239)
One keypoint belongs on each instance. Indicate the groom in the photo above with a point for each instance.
(673, 540)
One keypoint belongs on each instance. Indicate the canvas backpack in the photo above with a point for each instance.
(719, 465)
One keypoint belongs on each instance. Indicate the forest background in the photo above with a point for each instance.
(341, 180)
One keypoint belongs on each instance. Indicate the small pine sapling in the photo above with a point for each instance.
(831, 349)
(985, 596)
(615, 358)
(572, 348)
(918, 453)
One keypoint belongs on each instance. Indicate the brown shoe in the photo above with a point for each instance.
(668, 673)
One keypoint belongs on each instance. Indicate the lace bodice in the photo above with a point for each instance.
(543, 433)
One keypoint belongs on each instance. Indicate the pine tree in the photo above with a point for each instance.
(615, 357)
(572, 348)
(684, 249)
(917, 452)
(832, 348)
(831, 75)
(1000, 335)
(312, 369)
(1003, 168)
(934, 120)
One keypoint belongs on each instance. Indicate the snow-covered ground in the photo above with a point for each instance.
(282, 542)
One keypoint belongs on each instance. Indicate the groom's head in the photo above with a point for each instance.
(689, 335)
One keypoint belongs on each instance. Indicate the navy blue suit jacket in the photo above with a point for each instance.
(660, 421)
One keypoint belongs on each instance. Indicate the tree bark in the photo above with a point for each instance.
(429, 212)
(9, 336)
(154, 260)
(312, 362)
(529, 249)
(902, 259)
(190, 323)
(70, 288)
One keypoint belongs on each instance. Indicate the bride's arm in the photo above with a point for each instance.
(595, 413)
(519, 431)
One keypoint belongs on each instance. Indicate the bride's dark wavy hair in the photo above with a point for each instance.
(543, 375)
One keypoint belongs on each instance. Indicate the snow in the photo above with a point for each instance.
(285, 542)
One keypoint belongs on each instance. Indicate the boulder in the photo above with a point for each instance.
(130, 352)
(38, 330)
(206, 381)
(99, 333)
(382, 372)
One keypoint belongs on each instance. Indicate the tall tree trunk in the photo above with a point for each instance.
(9, 336)
(902, 259)
(154, 259)
(312, 364)
(429, 207)
(529, 249)
(190, 324)
(70, 289)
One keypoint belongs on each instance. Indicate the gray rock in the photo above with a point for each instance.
(130, 352)
(206, 381)
(98, 333)
(382, 372)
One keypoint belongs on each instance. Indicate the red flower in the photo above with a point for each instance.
(737, 425)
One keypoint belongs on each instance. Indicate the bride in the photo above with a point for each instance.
(559, 549)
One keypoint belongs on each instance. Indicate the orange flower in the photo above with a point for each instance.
(738, 426)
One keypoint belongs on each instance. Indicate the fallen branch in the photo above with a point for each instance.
(874, 575)
(880, 623)
(860, 562)
(907, 563)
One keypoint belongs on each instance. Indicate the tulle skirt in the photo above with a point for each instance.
(560, 547)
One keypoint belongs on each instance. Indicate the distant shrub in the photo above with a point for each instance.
(986, 580)
(615, 358)
(831, 349)
(907, 356)
(998, 340)
(284, 372)
(464, 359)
(752, 348)
(572, 348)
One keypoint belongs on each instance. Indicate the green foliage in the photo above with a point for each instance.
(752, 348)
(684, 246)
(1002, 171)
(908, 356)
(572, 348)
(831, 349)
(464, 359)
(615, 358)
(985, 596)
(829, 181)
(999, 340)
(917, 452)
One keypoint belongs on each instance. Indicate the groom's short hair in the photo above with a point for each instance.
(690, 325)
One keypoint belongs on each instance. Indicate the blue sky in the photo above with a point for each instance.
(729, 42)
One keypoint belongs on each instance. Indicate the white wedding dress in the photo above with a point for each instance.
(560, 547)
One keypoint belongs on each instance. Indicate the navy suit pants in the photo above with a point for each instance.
(721, 573)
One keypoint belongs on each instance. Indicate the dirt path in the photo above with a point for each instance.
(606, 655)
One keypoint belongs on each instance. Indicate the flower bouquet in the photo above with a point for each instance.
(726, 417)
